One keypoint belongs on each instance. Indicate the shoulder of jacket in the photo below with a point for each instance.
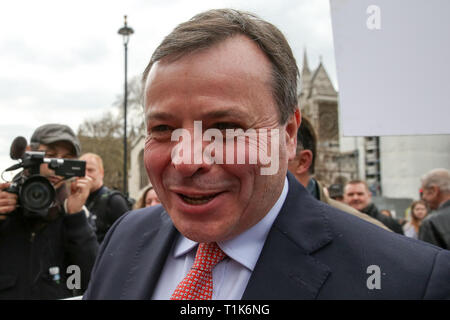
(144, 216)
(440, 216)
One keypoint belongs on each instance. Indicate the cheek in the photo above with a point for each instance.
(44, 170)
(420, 213)
(252, 190)
(242, 176)
(157, 157)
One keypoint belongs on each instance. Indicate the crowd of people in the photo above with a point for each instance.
(356, 195)
(206, 230)
(420, 221)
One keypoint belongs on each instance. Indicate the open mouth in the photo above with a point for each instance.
(198, 200)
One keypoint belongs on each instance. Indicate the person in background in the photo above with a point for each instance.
(435, 227)
(37, 249)
(386, 212)
(336, 192)
(358, 196)
(148, 198)
(105, 205)
(417, 214)
(303, 167)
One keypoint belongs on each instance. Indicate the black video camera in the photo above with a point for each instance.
(36, 193)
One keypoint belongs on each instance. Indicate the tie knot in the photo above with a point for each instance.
(208, 255)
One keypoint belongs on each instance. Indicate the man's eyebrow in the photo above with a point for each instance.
(215, 114)
(159, 115)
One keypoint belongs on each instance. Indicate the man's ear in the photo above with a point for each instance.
(291, 133)
(305, 158)
(28, 148)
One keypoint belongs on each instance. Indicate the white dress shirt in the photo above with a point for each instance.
(231, 275)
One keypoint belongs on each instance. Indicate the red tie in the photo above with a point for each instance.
(198, 285)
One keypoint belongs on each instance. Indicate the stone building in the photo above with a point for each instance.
(318, 102)
(138, 178)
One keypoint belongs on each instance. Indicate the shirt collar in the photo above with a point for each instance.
(246, 247)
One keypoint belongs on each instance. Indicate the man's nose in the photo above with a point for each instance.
(190, 168)
(189, 159)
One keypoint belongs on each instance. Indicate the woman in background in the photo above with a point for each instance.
(418, 212)
(148, 198)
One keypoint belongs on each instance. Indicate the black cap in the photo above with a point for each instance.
(53, 132)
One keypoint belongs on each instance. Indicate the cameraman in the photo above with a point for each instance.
(35, 251)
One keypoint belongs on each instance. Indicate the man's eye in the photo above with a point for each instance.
(161, 128)
(160, 132)
(226, 125)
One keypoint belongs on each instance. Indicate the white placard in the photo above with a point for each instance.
(393, 66)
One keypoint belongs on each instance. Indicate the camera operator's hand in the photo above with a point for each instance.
(8, 201)
(79, 192)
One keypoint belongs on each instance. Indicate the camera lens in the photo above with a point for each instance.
(37, 193)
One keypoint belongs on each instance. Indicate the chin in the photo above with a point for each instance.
(202, 237)
(203, 232)
(359, 208)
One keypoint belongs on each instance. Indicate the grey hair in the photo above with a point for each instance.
(439, 177)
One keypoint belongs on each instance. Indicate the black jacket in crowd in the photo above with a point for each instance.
(30, 247)
(435, 228)
(105, 207)
(391, 223)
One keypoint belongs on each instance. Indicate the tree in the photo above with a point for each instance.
(104, 136)
(135, 108)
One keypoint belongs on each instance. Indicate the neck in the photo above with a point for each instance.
(303, 179)
(97, 188)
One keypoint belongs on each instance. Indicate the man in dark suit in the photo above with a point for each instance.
(234, 224)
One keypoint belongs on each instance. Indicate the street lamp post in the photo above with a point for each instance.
(125, 31)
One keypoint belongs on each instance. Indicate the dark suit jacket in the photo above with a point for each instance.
(435, 228)
(313, 251)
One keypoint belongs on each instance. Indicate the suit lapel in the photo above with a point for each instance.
(149, 259)
(286, 268)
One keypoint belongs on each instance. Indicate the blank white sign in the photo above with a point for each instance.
(393, 66)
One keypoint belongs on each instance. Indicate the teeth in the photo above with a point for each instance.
(196, 200)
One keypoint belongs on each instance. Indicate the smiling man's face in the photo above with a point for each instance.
(357, 196)
(227, 86)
